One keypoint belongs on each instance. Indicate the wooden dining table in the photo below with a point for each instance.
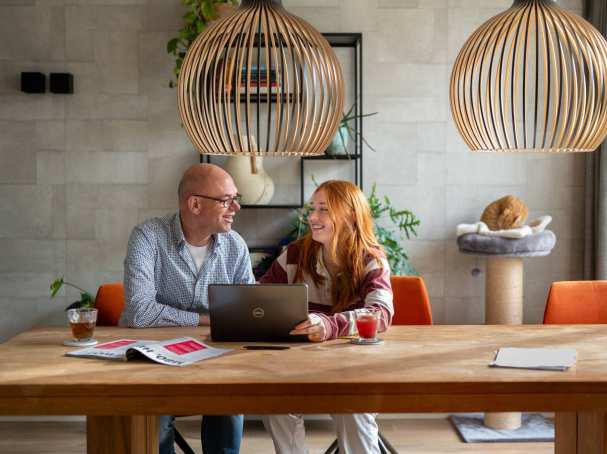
(417, 369)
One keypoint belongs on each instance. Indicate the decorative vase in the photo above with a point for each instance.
(252, 181)
(223, 10)
(339, 144)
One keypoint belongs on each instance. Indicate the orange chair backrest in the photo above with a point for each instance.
(411, 302)
(571, 302)
(109, 303)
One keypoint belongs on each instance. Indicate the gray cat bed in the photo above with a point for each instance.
(535, 245)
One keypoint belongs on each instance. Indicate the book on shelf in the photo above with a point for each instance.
(254, 86)
(181, 351)
(261, 89)
(261, 73)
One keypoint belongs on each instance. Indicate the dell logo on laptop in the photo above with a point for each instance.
(258, 312)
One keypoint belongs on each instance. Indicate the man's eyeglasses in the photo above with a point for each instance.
(225, 202)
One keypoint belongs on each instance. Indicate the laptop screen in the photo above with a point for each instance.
(257, 312)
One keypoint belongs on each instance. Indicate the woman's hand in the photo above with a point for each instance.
(313, 327)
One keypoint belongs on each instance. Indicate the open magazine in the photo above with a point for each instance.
(172, 352)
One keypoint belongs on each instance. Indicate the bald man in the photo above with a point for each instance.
(169, 264)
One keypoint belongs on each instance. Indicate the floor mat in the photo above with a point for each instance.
(534, 427)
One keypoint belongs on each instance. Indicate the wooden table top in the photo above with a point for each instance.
(417, 369)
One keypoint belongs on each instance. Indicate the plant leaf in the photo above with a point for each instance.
(208, 10)
(172, 45)
(86, 299)
(55, 286)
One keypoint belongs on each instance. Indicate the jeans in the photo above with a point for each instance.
(356, 433)
(219, 434)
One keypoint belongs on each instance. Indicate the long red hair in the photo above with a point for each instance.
(351, 247)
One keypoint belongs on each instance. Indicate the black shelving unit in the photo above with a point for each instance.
(338, 40)
(353, 41)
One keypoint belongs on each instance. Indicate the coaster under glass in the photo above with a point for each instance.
(80, 343)
(362, 341)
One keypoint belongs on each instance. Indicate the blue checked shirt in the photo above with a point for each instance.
(161, 283)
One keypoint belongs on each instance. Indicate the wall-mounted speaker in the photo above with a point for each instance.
(33, 82)
(62, 83)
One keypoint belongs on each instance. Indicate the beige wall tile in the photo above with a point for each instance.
(289, 4)
(106, 107)
(164, 16)
(25, 284)
(32, 255)
(17, 152)
(26, 211)
(116, 56)
(463, 278)
(416, 80)
(49, 134)
(415, 30)
(398, 3)
(485, 169)
(33, 42)
(165, 174)
(427, 257)
(106, 135)
(50, 167)
(435, 284)
(101, 167)
(26, 107)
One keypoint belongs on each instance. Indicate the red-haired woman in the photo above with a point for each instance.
(345, 269)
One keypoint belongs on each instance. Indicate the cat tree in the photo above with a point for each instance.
(504, 287)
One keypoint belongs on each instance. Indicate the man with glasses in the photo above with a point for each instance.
(169, 264)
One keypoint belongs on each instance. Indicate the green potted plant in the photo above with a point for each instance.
(81, 315)
(86, 300)
(199, 14)
(345, 132)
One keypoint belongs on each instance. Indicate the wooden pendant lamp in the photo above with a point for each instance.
(532, 78)
(260, 82)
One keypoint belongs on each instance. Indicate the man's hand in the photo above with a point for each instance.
(204, 320)
(313, 327)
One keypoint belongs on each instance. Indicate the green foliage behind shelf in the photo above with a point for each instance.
(199, 14)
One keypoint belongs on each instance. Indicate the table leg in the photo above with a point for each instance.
(122, 434)
(504, 306)
(580, 433)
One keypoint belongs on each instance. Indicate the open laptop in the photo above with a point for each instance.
(257, 312)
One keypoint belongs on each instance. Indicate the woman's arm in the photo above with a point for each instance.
(376, 292)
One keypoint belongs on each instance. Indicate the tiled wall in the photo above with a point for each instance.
(77, 172)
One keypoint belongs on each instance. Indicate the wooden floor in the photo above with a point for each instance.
(409, 436)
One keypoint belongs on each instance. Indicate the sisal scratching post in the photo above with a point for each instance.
(504, 288)
(504, 306)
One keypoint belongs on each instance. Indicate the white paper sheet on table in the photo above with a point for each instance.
(535, 358)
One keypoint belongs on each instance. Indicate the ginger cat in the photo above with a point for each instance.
(509, 212)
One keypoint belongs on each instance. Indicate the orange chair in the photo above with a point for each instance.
(411, 307)
(110, 304)
(411, 301)
(576, 302)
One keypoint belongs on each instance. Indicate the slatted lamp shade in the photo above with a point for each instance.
(260, 82)
(532, 78)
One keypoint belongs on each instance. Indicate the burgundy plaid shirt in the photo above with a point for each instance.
(375, 291)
